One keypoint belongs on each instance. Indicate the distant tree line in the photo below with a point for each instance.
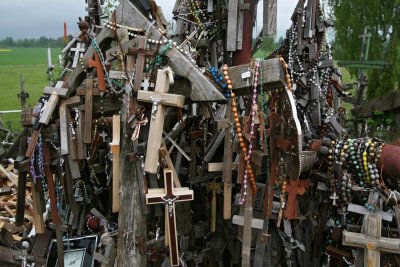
(33, 42)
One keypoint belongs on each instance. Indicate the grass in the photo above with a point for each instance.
(32, 64)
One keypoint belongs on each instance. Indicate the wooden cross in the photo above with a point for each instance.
(293, 188)
(168, 196)
(146, 84)
(96, 63)
(141, 52)
(80, 48)
(115, 150)
(159, 98)
(372, 241)
(55, 93)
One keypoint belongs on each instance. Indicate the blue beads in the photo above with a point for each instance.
(219, 80)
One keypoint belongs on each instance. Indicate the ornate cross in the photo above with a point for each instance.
(168, 196)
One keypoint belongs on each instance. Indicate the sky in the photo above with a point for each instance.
(35, 18)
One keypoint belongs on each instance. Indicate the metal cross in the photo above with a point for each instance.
(104, 135)
(334, 197)
(170, 202)
(154, 107)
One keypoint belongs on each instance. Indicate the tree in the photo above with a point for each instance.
(351, 17)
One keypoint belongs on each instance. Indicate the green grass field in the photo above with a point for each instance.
(32, 64)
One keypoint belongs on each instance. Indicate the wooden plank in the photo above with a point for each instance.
(115, 150)
(273, 77)
(228, 165)
(202, 88)
(61, 92)
(37, 210)
(87, 130)
(255, 223)
(164, 152)
(156, 126)
(81, 146)
(63, 129)
(50, 106)
(384, 103)
(363, 210)
(231, 31)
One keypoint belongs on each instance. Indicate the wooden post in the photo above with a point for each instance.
(87, 130)
(115, 150)
(227, 165)
(168, 197)
(159, 98)
(372, 241)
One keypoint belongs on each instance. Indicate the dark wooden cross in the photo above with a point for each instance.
(141, 52)
(371, 241)
(96, 63)
(293, 188)
(168, 196)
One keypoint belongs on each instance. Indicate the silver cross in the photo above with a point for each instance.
(170, 202)
(154, 107)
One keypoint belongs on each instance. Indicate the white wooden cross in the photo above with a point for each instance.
(159, 98)
(80, 48)
(146, 84)
(372, 241)
(168, 196)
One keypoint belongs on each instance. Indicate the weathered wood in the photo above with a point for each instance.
(269, 17)
(164, 152)
(227, 165)
(372, 241)
(50, 105)
(87, 130)
(61, 92)
(293, 189)
(156, 124)
(255, 223)
(37, 207)
(231, 31)
(273, 77)
(202, 88)
(63, 128)
(162, 98)
(363, 210)
(115, 150)
(387, 102)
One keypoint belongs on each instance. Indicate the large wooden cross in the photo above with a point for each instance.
(159, 98)
(372, 241)
(168, 196)
(55, 93)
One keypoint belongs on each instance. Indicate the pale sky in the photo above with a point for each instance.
(35, 18)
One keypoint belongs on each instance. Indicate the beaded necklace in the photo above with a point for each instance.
(248, 173)
(218, 78)
(39, 155)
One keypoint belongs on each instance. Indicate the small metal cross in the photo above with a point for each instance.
(170, 202)
(154, 108)
(334, 197)
(104, 135)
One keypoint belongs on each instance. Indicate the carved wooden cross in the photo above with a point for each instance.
(372, 241)
(140, 60)
(159, 98)
(168, 196)
(80, 48)
(96, 63)
(294, 188)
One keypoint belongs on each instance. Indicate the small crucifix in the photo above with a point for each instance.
(334, 197)
(160, 98)
(168, 196)
(103, 135)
